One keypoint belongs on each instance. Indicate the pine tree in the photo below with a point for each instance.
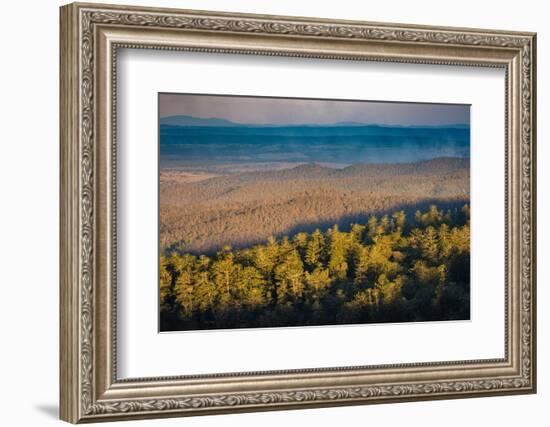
(357, 233)
(183, 287)
(315, 249)
(288, 275)
(399, 220)
(434, 216)
(362, 264)
(317, 281)
(372, 228)
(265, 260)
(165, 284)
(445, 244)
(429, 245)
(390, 291)
(250, 287)
(300, 242)
(223, 276)
(384, 225)
(337, 264)
(205, 290)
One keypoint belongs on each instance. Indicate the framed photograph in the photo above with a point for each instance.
(265, 212)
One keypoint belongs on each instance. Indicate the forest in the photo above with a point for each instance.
(390, 268)
(208, 209)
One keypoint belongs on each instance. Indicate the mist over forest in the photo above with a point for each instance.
(185, 146)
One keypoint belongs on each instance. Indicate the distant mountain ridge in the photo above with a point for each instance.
(195, 121)
(190, 121)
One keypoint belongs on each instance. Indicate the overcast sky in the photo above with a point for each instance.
(257, 110)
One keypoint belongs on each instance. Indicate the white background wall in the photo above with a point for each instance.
(29, 171)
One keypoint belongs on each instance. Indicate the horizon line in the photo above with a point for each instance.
(356, 123)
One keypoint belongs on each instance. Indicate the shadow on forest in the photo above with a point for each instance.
(344, 223)
(394, 269)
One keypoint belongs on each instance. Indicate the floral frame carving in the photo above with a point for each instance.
(90, 36)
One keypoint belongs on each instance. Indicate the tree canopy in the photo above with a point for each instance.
(391, 269)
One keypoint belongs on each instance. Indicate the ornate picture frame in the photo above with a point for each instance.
(90, 37)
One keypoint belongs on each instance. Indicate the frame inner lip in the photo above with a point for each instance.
(340, 370)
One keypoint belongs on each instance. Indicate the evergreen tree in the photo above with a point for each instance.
(165, 284)
(250, 286)
(357, 233)
(362, 264)
(429, 245)
(399, 220)
(384, 225)
(300, 242)
(372, 228)
(205, 290)
(314, 250)
(223, 269)
(288, 275)
(317, 282)
(337, 264)
(183, 287)
(265, 260)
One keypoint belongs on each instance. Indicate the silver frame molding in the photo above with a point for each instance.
(90, 37)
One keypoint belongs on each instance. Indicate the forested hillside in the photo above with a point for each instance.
(390, 268)
(201, 210)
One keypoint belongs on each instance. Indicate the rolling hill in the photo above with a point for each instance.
(206, 212)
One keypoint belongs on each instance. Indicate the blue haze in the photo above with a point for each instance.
(189, 142)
